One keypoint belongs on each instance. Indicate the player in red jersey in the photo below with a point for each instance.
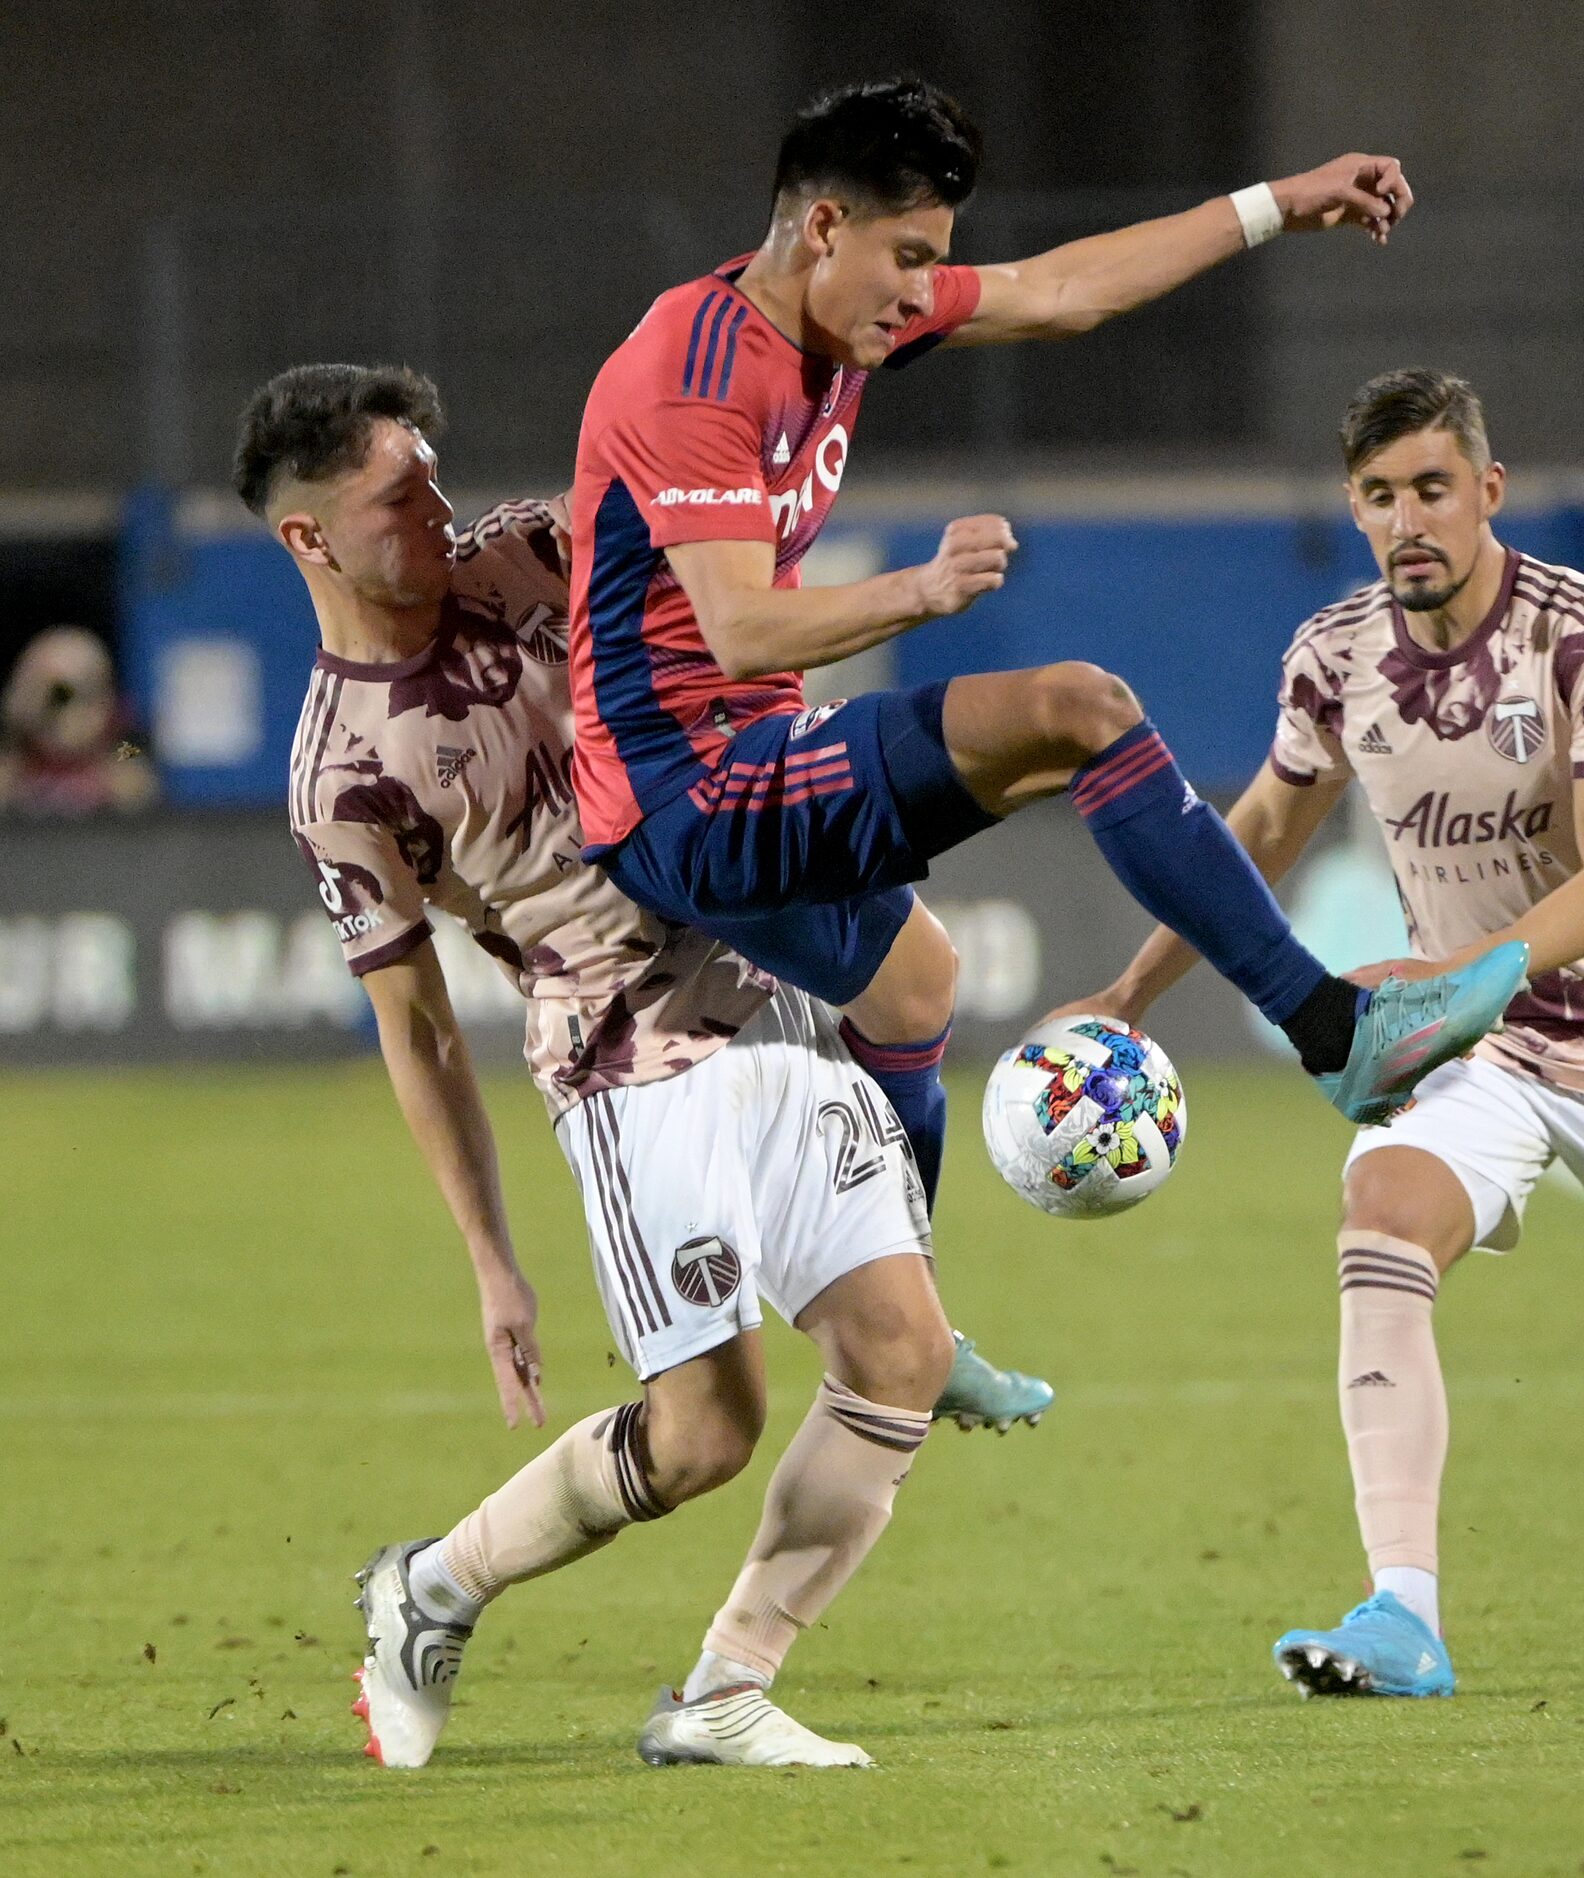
(713, 445)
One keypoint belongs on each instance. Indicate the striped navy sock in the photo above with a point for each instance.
(910, 1075)
(1182, 864)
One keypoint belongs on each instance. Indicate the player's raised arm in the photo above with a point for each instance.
(432, 1075)
(753, 627)
(1074, 288)
(1274, 820)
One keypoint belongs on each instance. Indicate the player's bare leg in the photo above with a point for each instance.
(1407, 1219)
(695, 1430)
(887, 1349)
(915, 990)
(1018, 737)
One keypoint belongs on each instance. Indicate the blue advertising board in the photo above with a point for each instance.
(1193, 612)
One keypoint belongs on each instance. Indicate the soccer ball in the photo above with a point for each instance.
(1084, 1117)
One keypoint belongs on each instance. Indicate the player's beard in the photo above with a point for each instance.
(407, 589)
(1421, 599)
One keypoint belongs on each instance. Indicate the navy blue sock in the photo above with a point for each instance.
(1181, 862)
(909, 1073)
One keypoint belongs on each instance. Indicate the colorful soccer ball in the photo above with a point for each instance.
(1084, 1117)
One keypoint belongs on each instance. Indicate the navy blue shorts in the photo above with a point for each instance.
(798, 848)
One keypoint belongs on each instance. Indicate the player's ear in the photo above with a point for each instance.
(1493, 487)
(821, 219)
(1353, 504)
(302, 537)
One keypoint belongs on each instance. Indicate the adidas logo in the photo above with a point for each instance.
(450, 763)
(1426, 1662)
(782, 454)
(1372, 1379)
(1373, 743)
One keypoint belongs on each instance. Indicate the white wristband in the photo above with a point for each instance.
(1259, 212)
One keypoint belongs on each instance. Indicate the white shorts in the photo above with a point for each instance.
(1497, 1129)
(768, 1170)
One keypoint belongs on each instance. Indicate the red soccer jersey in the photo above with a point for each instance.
(706, 424)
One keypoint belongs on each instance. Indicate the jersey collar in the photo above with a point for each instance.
(1427, 658)
(377, 674)
(728, 273)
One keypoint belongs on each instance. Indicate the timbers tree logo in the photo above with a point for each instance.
(1517, 728)
(706, 1271)
(542, 634)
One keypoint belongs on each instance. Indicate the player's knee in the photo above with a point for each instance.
(1420, 1203)
(902, 1362)
(912, 997)
(1372, 1203)
(1081, 708)
(922, 1003)
(694, 1457)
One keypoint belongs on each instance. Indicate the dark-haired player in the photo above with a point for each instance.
(725, 1143)
(712, 448)
(1453, 691)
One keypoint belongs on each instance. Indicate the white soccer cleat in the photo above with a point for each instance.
(736, 1727)
(410, 1672)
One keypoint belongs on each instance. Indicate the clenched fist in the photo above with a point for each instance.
(971, 559)
(1369, 191)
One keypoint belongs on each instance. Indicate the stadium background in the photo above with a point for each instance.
(203, 196)
(198, 195)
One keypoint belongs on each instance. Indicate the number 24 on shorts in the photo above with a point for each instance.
(865, 1128)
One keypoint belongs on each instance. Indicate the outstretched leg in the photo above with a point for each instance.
(1017, 736)
(694, 1430)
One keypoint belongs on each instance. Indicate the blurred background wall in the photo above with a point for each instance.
(201, 193)
(198, 195)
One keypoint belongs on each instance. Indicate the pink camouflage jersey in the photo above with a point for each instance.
(1468, 760)
(443, 781)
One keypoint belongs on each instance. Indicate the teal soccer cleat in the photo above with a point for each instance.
(1412, 1027)
(1379, 1648)
(978, 1395)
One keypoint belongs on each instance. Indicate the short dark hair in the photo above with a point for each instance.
(1396, 404)
(315, 421)
(895, 143)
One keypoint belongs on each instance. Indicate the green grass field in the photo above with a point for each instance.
(240, 1349)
